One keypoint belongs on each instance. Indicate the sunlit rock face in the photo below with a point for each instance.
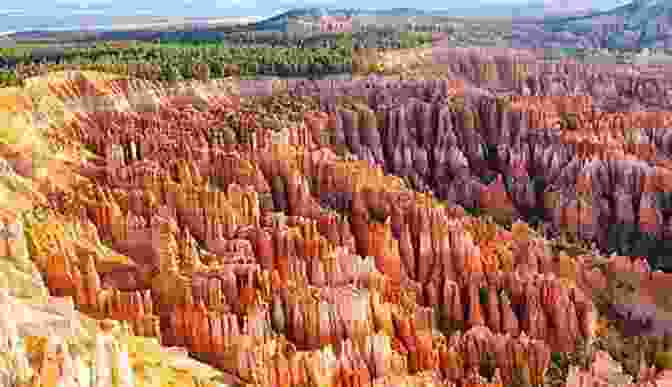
(287, 256)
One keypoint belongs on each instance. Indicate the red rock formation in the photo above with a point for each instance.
(223, 268)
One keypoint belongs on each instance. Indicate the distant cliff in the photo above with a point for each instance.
(638, 24)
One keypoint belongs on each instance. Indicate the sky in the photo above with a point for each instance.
(203, 7)
(48, 13)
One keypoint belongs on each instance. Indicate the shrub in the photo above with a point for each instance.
(483, 295)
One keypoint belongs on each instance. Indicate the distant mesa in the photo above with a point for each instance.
(638, 24)
(537, 24)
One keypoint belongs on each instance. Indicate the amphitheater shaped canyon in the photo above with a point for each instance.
(489, 220)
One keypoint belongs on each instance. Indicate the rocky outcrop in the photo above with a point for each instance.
(288, 256)
(605, 371)
(524, 71)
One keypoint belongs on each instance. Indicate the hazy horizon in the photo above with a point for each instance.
(42, 14)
